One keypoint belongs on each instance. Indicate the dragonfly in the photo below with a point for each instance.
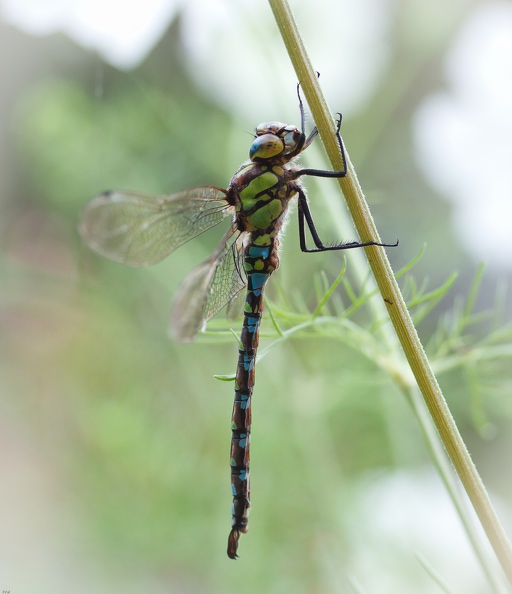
(141, 229)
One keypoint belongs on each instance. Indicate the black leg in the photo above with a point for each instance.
(314, 132)
(305, 215)
(322, 172)
(301, 108)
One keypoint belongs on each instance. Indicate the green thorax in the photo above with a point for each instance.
(261, 195)
(262, 188)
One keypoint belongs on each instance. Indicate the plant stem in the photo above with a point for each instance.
(390, 292)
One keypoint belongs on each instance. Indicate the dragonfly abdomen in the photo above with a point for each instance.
(260, 262)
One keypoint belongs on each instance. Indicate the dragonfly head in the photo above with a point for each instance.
(276, 140)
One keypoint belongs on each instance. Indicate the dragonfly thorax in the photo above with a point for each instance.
(276, 141)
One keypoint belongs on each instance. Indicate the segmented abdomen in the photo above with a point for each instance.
(260, 261)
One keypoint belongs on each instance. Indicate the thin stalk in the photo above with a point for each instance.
(446, 473)
(390, 292)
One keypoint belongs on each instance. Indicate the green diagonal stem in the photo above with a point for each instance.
(391, 294)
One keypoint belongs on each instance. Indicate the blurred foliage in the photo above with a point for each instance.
(138, 137)
(134, 426)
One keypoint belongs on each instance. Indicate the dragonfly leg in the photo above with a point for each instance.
(305, 213)
(305, 216)
(322, 172)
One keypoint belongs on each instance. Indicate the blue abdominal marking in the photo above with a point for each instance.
(252, 324)
(257, 252)
(258, 281)
(245, 401)
(248, 362)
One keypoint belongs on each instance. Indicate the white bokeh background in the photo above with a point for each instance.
(463, 133)
(214, 33)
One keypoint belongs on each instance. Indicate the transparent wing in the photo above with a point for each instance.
(141, 229)
(209, 287)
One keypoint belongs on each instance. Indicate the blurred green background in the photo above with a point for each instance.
(115, 439)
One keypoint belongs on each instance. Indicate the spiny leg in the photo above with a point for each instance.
(313, 132)
(305, 215)
(323, 172)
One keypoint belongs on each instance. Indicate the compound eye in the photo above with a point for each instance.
(266, 147)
